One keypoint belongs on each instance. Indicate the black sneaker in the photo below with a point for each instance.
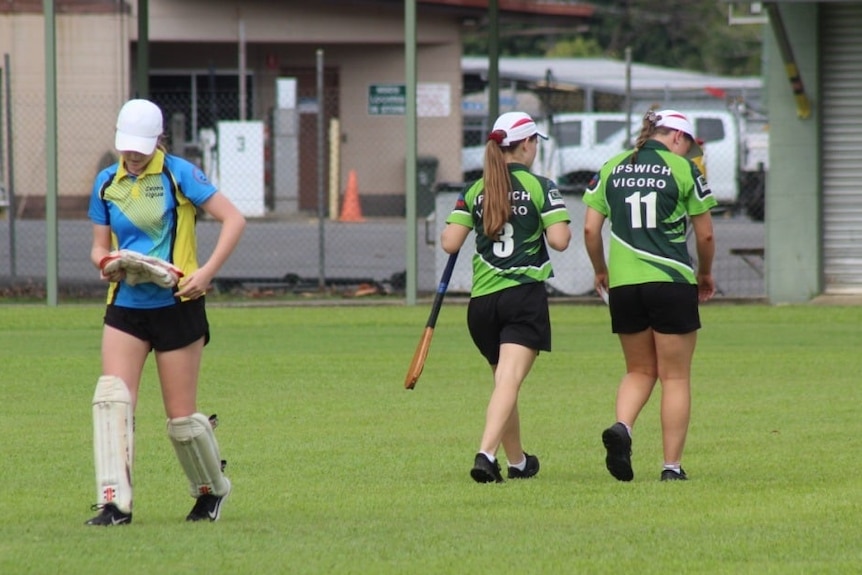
(207, 507)
(618, 443)
(671, 475)
(530, 469)
(109, 515)
(484, 471)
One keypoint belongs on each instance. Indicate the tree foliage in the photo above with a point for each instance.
(670, 33)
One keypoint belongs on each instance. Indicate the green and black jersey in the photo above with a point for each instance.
(520, 255)
(648, 204)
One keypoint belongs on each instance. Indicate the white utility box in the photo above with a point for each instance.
(240, 161)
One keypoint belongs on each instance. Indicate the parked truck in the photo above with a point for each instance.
(736, 155)
(735, 148)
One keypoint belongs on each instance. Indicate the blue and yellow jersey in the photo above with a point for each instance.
(153, 214)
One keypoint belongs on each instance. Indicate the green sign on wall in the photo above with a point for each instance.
(387, 99)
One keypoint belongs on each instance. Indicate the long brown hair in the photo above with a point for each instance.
(498, 186)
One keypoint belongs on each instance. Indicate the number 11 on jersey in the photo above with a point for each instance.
(649, 201)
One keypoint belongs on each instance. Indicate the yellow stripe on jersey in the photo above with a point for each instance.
(141, 199)
(184, 250)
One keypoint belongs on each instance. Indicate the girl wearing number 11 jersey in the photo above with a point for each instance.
(651, 195)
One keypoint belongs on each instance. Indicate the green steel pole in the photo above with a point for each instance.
(493, 61)
(143, 67)
(10, 172)
(410, 117)
(51, 244)
(321, 160)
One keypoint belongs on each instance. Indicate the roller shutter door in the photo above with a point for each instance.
(841, 111)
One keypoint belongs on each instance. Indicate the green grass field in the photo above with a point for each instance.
(337, 469)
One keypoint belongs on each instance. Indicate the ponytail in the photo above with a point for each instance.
(648, 128)
(497, 186)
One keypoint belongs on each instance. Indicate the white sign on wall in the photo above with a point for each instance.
(433, 100)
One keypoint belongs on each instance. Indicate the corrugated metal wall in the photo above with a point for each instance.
(841, 110)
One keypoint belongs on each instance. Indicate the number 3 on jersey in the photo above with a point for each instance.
(634, 201)
(504, 247)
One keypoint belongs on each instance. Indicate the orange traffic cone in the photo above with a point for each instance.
(351, 210)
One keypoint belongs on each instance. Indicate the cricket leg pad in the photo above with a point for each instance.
(196, 447)
(113, 442)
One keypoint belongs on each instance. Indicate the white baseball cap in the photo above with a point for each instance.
(139, 126)
(518, 126)
(677, 121)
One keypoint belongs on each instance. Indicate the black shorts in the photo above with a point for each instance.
(664, 306)
(165, 328)
(515, 315)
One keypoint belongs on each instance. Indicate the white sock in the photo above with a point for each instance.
(628, 427)
(520, 466)
(672, 466)
(490, 457)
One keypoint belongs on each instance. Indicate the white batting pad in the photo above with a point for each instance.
(113, 442)
(197, 450)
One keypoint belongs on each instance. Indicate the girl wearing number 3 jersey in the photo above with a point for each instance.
(651, 195)
(514, 213)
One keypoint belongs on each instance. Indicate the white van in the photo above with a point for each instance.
(735, 155)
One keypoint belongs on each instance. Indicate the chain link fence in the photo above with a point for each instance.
(310, 229)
